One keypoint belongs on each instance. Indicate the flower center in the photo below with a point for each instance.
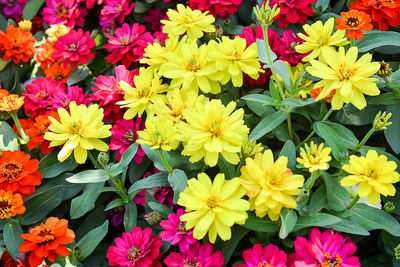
(5, 207)
(75, 128)
(133, 253)
(182, 227)
(345, 72)
(329, 262)
(44, 126)
(191, 262)
(144, 92)
(192, 65)
(47, 234)
(61, 11)
(10, 170)
(73, 47)
(215, 129)
(353, 22)
(212, 202)
(41, 93)
(130, 136)
(263, 264)
(372, 173)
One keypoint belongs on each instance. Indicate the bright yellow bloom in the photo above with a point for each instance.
(347, 75)
(159, 134)
(374, 173)
(11, 102)
(270, 185)
(78, 132)
(213, 206)
(192, 22)
(315, 157)
(56, 31)
(147, 90)
(25, 25)
(212, 129)
(320, 38)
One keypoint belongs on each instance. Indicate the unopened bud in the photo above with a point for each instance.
(25, 25)
(396, 251)
(217, 34)
(153, 218)
(265, 14)
(103, 159)
(250, 148)
(389, 207)
(75, 252)
(381, 121)
(384, 70)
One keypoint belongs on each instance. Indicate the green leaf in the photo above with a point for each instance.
(377, 39)
(263, 99)
(81, 73)
(156, 180)
(318, 199)
(156, 158)
(226, 168)
(392, 133)
(50, 167)
(90, 241)
(280, 67)
(12, 238)
(338, 197)
(294, 103)
(289, 151)
(161, 209)
(126, 158)
(384, 99)
(8, 139)
(31, 9)
(178, 181)
(115, 203)
(262, 51)
(85, 202)
(288, 221)
(88, 176)
(130, 216)
(229, 246)
(347, 226)
(349, 114)
(315, 220)
(263, 225)
(38, 206)
(267, 124)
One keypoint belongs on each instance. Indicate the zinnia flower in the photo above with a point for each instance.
(12, 8)
(123, 134)
(324, 249)
(16, 44)
(315, 157)
(78, 132)
(10, 103)
(47, 241)
(18, 173)
(187, 21)
(62, 99)
(25, 124)
(65, 12)
(11, 204)
(139, 248)
(286, 48)
(258, 256)
(58, 72)
(114, 11)
(354, 22)
(198, 255)
(213, 206)
(56, 31)
(154, 16)
(212, 129)
(270, 184)
(73, 48)
(218, 8)
(375, 175)
(44, 55)
(347, 75)
(176, 232)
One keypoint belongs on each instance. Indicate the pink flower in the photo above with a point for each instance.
(62, 99)
(139, 248)
(217, 8)
(39, 92)
(73, 48)
(128, 45)
(123, 135)
(327, 249)
(292, 11)
(198, 255)
(269, 256)
(12, 9)
(176, 232)
(114, 11)
(286, 48)
(64, 12)
(154, 17)
(90, 3)
(108, 92)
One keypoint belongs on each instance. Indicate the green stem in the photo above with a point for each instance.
(239, 166)
(24, 137)
(366, 137)
(289, 123)
(164, 160)
(353, 202)
(117, 185)
(93, 160)
(352, 42)
(310, 182)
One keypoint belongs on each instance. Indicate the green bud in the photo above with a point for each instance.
(153, 218)
(389, 207)
(265, 14)
(396, 251)
(103, 159)
(381, 121)
(384, 70)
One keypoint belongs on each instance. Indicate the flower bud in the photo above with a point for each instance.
(153, 218)
(389, 207)
(250, 148)
(217, 34)
(381, 121)
(396, 251)
(103, 159)
(25, 25)
(384, 70)
(265, 14)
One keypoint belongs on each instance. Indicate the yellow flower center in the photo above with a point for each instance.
(263, 264)
(193, 262)
(372, 173)
(192, 65)
(41, 93)
(213, 202)
(182, 227)
(144, 92)
(345, 72)
(353, 22)
(10, 170)
(133, 253)
(47, 234)
(215, 129)
(5, 207)
(336, 262)
(75, 128)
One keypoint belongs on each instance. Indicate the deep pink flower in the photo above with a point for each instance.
(154, 17)
(269, 256)
(39, 92)
(198, 255)
(286, 48)
(139, 248)
(292, 11)
(113, 13)
(217, 8)
(73, 48)
(128, 44)
(160, 37)
(12, 9)
(108, 92)
(176, 232)
(65, 12)
(124, 134)
(90, 3)
(62, 98)
(328, 248)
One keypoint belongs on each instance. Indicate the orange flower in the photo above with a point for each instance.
(36, 132)
(10, 204)
(44, 54)
(18, 173)
(47, 240)
(315, 93)
(58, 72)
(3, 92)
(16, 44)
(354, 22)
(11, 102)
(25, 124)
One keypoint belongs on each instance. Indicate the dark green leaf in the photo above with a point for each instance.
(130, 216)
(90, 241)
(267, 124)
(156, 180)
(347, 226)
(226, 168)
(115, 203)
(50, 167)
(178, 181)
(318, 199)
(353, 116)
(384, 99)
(229, 246)
(125, 160)
(257, 224)
(315, 220)
(288, 221)
(263, 99)
(81, 73)
(12, 237)
(161, 209)
(392, 133)
(338, 197)
(154, 155)
(294, 103)
(89, 176)
(31, 9)
(3, 25)
(85, 202)
(289, 151)
(8, 139)
(376, 39)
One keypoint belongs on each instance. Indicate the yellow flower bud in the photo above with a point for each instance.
(265, 14)
(25, 25)
(381, 121)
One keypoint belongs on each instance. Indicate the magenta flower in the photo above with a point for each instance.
(176, 232)
(90, 3)
(108, 92)
(286, 48)
(217, 8)
(73, 48)
(198, 255)
(269, 256)
(128, 44)
(12, 9)
(62, 99)
(123, 135)
(113, 13)
(326, 249)
(154, 17)
(65, 12)
(139, 248)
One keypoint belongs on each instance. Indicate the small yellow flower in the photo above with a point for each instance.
(192, 22)
(159, 134)
(11, 103)
(213, 207)
(25, 25)
(56, 31)
(375, 174)
(315, 157)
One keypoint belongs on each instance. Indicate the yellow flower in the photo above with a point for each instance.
(347, 75)
(56, 31)
(270, 185)
(25, 25)
(232, 59)
(147, 90)
(212, 129)
(213, 207)
(315, 157)
(11, 103)
(159, 134)
(319, 38)
(192, 22)
(374, 173)
(78, 132)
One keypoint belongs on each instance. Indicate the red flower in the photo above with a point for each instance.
(217, 8)
(25, 124)
(16, 44)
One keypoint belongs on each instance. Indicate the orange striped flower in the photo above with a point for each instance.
(11, 102)
(354, 22)
(10, 204)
